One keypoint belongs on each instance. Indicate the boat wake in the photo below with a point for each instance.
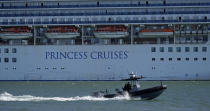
(9, 97)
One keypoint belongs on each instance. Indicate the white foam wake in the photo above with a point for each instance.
(9, 97)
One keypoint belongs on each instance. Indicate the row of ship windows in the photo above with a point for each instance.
(179, 49)
(86, 19)
(46, 68)
(65, 4)
(6, 60)
(42, 4)
(14, 68)
(6, 50)
(179, 59)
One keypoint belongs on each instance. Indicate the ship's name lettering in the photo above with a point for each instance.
(94, 55)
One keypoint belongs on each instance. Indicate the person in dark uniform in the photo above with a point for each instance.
(127, 87)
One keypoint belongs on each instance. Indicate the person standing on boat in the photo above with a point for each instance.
(127, 87)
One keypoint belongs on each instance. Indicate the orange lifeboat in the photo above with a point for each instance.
(15, 33)
(62, 32)
(111, 32)
(165, 32)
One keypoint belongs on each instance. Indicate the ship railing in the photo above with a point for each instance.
(104, 22)
(109, 13)
(107, 5)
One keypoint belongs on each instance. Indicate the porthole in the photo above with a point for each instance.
(204, 59)
(195, 59)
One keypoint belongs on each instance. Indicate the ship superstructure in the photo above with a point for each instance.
(104, 40)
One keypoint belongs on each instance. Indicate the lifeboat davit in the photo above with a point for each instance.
(107, 32)
(155, 33)
(62, 32)
(15, 33)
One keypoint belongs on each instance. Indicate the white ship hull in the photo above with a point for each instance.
(103, 62)
(62, 35)
(109, 35)
(15, 35)
(155, 34)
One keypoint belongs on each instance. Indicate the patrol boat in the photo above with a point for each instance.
(133, 89)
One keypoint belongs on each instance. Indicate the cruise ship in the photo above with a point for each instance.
(48, 40)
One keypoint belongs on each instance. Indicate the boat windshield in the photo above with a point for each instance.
(135, 84)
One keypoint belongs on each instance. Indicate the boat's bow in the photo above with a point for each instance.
(149, 93)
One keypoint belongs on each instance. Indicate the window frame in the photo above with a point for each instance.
(6, 60)
(14, 60)
(14, 50)
(6, 50)
(170, 49)
(204, 49)
(153, 49)
(178, 49)
(195, 49)
(161, 49)
(187, 49)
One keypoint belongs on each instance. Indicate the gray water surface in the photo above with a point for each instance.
(76, 96)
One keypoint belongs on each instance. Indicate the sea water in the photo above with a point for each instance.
(76, 96)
